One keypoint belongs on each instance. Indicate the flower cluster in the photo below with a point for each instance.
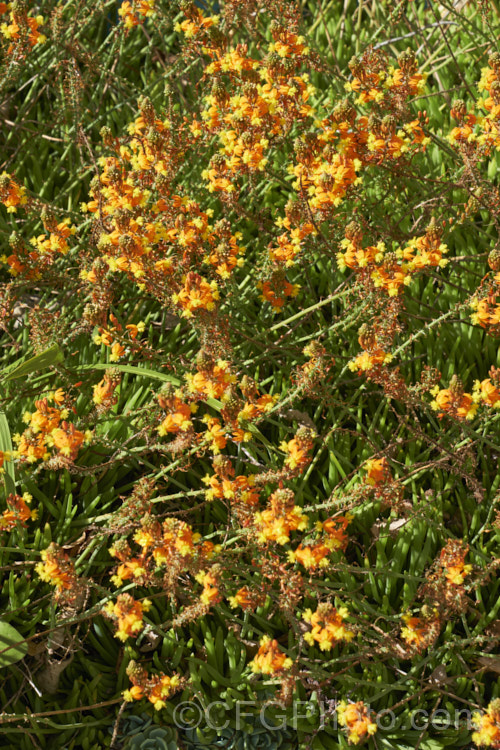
(280, 518)
(427, 251)
(487, 726)
(171, 545)
(375, 343)
(118, 340)
(485, 301)
(17, 512)
(247, 599)
(390, 269)
(178, 413)
(156, 688)
(210, 594)
(270, 659)
(261, 103)
(478, 134)
(487, 311)
(32, 259)
(135, 12)
(373, 81)
(196, 293)
(253, 105)
(312, 377)
(57, 240)
(127, 612)
(420, 633)
(454, 401)
(452, 560)
(215, 435)
(355, 718)
(327, 626)
(160, 239)
(332, 536)
(377, 471)
(487, 391)
(58, 569)
(298, 450)
(196, 23)
(12, 195)
(444, 589)
(21, 27)
(240, 490)
(212, 378)
(48, 433)
(104, 392)
(328, 167)
(277, 289)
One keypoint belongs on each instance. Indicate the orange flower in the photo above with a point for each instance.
(280, 518)
(179, 414)
(12, 195)
(421, 632)
(486, 312)
(117, 351)
(133, 13)
(298, 449)
(238, 489)
(452, 559)
(20, 23)
(195, 23)
(32, 447)
(212, 379)
(134, 329)
(45, 418)
(335, 528)
(486, 392)
(311, 556)
(210, 593)
(57, 241)
(104, 392)
(487, 726)
(57, 569)
(378, 471)
(172, 541)
(132, 569)
(269, 658)
(162, 689)
(196, 294)
(275, 292)
(47, 430)
(18, 512)
(215, 434)
(453, 401)
(355, 717)
(327, 626)
(157, 688)
(128, 614)
(59, 397)
(287, 43)
(68, 440)
(246, 598)
(425, 251)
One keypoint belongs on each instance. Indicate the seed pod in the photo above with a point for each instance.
(494, 259)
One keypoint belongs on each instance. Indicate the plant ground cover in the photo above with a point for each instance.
(249, 317)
